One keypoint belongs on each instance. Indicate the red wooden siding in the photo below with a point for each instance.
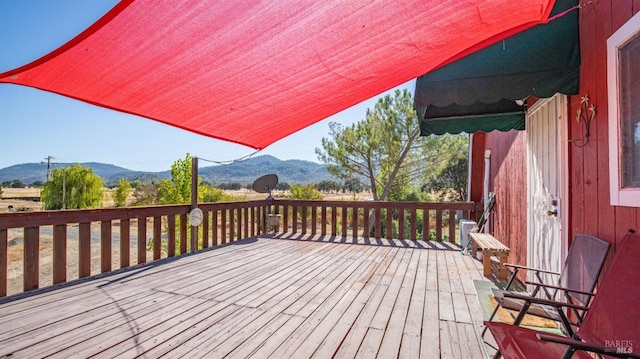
(590, 211)
(509, 182)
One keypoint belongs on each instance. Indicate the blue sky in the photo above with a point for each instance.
(35, 124)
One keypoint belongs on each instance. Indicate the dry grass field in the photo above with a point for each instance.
(11, 197)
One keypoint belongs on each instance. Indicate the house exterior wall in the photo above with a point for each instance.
(508, 181)
(590, 209)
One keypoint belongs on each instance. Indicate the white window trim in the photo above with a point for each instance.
(629, 197)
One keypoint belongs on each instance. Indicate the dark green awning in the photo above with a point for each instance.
(504, 115)
(539, 62)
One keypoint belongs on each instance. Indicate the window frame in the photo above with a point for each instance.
(629, 197)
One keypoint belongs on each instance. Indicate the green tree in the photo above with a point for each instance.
(17, 184)
(329, 186)
(352, 185)
(178, 189)
(72, 187)
(448, 168)
(122, 192)
(383, 151)
(212, 194)
(145, 194)
(305, 192)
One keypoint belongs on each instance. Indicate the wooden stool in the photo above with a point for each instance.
(490, 246)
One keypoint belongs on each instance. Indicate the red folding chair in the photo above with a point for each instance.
(611, 326)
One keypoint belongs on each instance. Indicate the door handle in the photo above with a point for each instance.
(555, 207)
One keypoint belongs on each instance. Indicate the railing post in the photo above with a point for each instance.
(285, 218)
(194, 202)
(426, 231)
(354, 222)
(452, 226)
(323, 220)
(4, 265)
(439, 225)
(183, 233)
(31, 258)
(377, 219)
(233, 224)
(246, 221)
(157, 237)
(59, 253)
(142, 240)
(105, 246)
(238, 224)
(253, 220)
(294, 220)
(414, 224)
(389, 234)
(344, 221)
(303, 219)
(205, 229)
(400, 223)
(214, 228)
(125, 242)
(84, 252)
(223, 226)
(334, 220)
(171, 236)
(365, 225)
(314, 219)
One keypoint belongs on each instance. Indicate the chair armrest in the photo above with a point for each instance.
(517, 266)
(591, 294)
(590, 347)
(552, 303)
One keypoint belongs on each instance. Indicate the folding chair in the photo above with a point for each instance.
(611, 326)
(575, 285)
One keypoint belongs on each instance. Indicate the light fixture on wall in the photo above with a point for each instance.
(585, 114)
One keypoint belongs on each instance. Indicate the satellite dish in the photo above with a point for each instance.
(265, 184)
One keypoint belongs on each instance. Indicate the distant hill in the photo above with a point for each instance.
(245, 172)
(32, 172)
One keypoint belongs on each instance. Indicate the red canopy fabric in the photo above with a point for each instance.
(253, 72)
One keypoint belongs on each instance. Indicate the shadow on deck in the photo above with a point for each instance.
(282, 296)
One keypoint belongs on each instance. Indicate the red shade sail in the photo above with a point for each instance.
(253, 72)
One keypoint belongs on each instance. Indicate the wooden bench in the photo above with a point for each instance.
(490, 246)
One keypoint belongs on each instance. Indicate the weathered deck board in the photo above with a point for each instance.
(300, 296)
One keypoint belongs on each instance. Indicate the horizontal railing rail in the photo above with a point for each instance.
(50, 247)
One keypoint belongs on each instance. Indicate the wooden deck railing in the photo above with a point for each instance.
(58, 246)
(399, 220)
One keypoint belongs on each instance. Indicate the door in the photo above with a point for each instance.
(546, 128)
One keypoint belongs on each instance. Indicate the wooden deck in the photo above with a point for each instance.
(296, 296)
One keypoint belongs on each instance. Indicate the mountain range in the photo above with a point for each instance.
(244, 172)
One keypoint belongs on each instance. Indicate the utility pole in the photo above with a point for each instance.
(49, 163)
